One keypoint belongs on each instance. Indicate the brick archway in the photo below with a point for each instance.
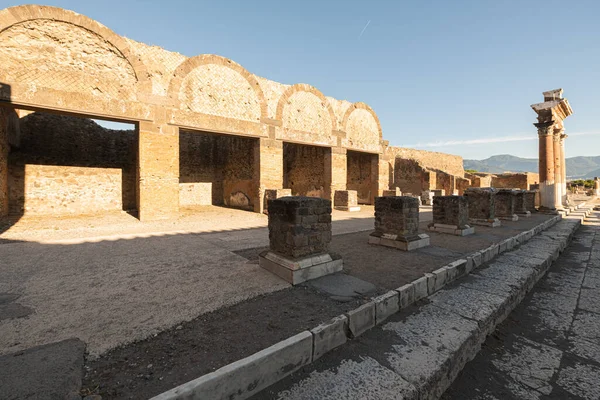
(12, 16)
(190, 64)
(365, 107)
(302, 87)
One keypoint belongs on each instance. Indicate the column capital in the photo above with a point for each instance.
(545, 128)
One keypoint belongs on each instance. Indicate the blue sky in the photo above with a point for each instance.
(452, 76)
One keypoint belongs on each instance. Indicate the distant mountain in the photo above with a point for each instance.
(577, 167)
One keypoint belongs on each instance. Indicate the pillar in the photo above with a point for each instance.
(158, 171)
(597, 186)
(3, 163)
(557, 170)
(546, 164)
(336, 174)
(268, 169)
(380, 172)
(563, 169)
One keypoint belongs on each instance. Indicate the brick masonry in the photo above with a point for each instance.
(505, 203)
(482, 203)
(397, 216)
(345, 199)
(451, 210)
(530, 200)
(299, 226)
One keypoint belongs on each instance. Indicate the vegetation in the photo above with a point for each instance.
(471, 171)
(587, 183)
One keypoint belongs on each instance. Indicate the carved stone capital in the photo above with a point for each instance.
(545, 128)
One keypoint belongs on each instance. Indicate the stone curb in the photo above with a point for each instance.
(243, 378)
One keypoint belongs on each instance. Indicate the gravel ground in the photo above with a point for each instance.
(187, 351)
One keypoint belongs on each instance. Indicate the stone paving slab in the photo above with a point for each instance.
(549, 347)
(429, 346)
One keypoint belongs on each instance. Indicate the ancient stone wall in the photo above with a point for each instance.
(479, 179)
(3, 162)
(216, 167)
(60, 190)
(447, 163)
(447, 182)
(360, 176)
(304, 170)
(99, 167)
(515, 180)
(409, 176)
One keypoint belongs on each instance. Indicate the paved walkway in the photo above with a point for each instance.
(549, 348)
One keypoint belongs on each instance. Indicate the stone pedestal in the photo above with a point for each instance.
(272, 194)
(392, 192)
(530, 200)
(439, 192)
(451, 215)
(505, 205)
(397, 223)
(521, 203)
(482, 203)
(346, 200)
(597, 186)
(299, 237)
(427, 197)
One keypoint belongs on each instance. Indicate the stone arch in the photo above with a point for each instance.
(227, 107)
(115, 49)
(298, 89)
(364, 131)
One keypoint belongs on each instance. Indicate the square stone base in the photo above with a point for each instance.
(300, 270)
(392, 241)
(452, 229)
(492, 223)
(513, 217)
(525, 214)
(341, 208)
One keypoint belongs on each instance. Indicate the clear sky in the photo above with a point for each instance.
(452, 76)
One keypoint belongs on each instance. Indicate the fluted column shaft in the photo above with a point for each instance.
(546, 164)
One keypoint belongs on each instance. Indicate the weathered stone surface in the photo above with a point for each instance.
(299, 226)
(245, 377)
(397, 223)
(451, 210)
(346, 200)
(505, 203)
(386, 305)
(361, 319)
(329, 335)
(272, 194)
(481, 203)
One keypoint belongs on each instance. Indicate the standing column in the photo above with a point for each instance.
(336, 167)
(380, 176)
(557, 170)
(268, 169)
(158, 171)
(546, 164)
(563, 168)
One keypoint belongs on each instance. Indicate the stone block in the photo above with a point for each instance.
(490, 223)
(397, 223)
(392, 192)
(272, 194)
(427, 197)
(505, 204)
(361, 319)
(451, 210)
(421, 288)
(346, 200)
(430, 283)
(298, 270)
(529, 200)
(451, 229)
(441, 275)
(243, 378)
(329, 335)
(386, 305)
(439, 192)
(406, 295)
(456, 269)
(481, 203)
(299, 226)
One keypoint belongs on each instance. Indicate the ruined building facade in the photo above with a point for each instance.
(207, 131)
